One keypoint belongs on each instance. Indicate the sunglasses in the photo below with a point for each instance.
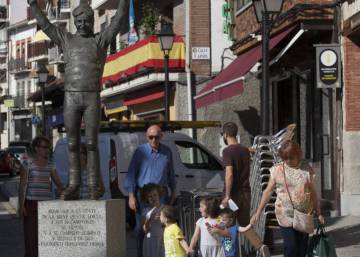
(154, 137)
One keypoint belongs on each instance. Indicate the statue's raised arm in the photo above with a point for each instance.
(40, 17)
(117, 21)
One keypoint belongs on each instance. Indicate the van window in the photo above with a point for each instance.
(194, 157)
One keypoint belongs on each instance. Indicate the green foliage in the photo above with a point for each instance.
(150, 18)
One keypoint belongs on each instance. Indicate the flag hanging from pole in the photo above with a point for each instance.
(132, 36)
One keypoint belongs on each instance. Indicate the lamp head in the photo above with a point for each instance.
(166, 36)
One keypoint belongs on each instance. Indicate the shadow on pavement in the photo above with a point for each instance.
(346, 236)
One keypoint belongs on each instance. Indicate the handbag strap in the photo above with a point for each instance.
(287, 189)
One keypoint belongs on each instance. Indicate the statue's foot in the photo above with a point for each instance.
(72, 192)
(95, 193)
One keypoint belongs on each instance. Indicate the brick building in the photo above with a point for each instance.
(234, 94)
(136, 91)
(350, 133)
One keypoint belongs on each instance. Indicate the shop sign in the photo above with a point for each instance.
(201, 53)
(35, 120)
(328, 66)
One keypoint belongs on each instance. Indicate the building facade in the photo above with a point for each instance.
(350, 106)
(234, 94)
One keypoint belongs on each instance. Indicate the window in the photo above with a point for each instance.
(194, 157)
(241, 3)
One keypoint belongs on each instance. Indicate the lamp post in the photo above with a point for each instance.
(265, 11)
(43, 76)
(166, 38)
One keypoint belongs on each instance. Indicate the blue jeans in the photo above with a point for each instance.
(295, 242)
(138, 228)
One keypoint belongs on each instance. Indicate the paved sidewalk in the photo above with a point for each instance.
(345, 233)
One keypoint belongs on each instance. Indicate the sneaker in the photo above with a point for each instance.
(264, 250)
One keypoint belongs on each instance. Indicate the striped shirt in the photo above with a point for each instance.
(39, 183)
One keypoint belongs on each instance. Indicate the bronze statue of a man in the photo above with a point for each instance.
(84, 58)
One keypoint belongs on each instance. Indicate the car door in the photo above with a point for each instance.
(196, 167)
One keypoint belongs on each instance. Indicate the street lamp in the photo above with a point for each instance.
(265, 11)
(43, 76)
(166, 38)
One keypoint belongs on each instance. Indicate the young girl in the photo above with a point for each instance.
(174, 242)
(153, 245)
(210, 246)
(230, 235)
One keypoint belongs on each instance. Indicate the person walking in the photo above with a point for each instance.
(293, 180)
(35, 186)
(174, 240)
(152, 162)
(210, 245)
(236, 161)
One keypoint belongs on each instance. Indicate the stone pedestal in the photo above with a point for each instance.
(82, 228)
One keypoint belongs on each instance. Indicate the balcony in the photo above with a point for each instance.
(3, 14)
(297, 10)
(142, 57)
(38, 51)
(65, 6)
(19, 65)
(21, 102)
(104, 4)
(55, 55)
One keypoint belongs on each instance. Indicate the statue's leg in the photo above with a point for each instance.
(72, 121)
(92, 121)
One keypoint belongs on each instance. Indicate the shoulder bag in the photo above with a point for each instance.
(302, 222)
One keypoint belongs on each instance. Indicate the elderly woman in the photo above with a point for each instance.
(35, 186)
(299, 178)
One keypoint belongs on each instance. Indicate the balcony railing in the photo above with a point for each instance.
(20, 101)
(142, 56)
(55, 55)
(37, 51)
(19, 65)
(64, 5)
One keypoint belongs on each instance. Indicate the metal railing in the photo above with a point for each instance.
(20, 101)
(37, 49)
(18, 65)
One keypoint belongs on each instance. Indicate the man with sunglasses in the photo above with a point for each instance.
(151, 163)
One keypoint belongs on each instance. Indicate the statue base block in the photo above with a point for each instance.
(83, 228)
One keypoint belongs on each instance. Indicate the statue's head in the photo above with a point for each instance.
(84, 19)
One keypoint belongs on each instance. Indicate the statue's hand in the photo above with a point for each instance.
(30, 2)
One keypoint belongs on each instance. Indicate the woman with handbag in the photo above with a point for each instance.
(296, 199)
(35, 186)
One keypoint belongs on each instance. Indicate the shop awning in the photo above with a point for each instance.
(229, 82)
(114, 105)
(40, 36)
(144, 99)
(141, 55)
